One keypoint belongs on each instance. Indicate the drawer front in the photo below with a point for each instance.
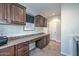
(22, 51)
(7, 51)
(26, 54)
(22, 45)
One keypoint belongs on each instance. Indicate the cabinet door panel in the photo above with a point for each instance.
(7, 51)
(18, 14)
(22, 49)
(2, 11)
(41, 43)
(45, 22)
(48, 39)
(37, 21)
(41, 21)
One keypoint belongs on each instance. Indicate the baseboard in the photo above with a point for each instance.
(65, 54)
(56, 41)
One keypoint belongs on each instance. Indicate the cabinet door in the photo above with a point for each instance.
(3, 13)
(37, 21)
(48, 39)
(18, 14)
(41, 43)
(45, 22)
(22, 49)
(41, 21)
(45, 40)
(7, 51)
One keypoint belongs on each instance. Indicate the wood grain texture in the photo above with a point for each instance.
(3, 12)
(40, 21)
(18, 15)
(22, 49)
(9, 51)
(42, 42)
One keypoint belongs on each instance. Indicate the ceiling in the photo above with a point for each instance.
(44, 9)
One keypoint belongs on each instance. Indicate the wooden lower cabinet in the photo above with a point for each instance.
(42, 42)
(22, 49)
(48, 39)
(9, 51)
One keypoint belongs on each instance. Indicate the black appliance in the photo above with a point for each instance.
(29, 18)
(3, 40)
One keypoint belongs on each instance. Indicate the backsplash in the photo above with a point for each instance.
(17, 30)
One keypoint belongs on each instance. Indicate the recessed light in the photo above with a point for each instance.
(53, 14)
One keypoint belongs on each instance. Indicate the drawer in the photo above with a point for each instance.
(26, 54)
(22, 51)
(22, 45)
(9, 51)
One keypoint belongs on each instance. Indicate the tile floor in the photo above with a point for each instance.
(52, 49)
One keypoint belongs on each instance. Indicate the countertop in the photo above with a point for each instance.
(20, 39)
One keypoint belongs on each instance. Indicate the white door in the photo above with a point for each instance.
(54, 29)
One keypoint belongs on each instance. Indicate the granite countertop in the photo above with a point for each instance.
(20, 39)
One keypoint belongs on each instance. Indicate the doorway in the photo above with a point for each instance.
(54, 28)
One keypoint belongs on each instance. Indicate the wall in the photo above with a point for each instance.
(59, 29)
(11, 30)
(69, 27)
(54, 26)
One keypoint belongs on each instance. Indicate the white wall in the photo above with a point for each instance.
(59, 29)
(10, 30)
(54, 26)
(69, 26)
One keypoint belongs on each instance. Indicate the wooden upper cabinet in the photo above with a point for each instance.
(18, 14)
(12, 13)
(37, 21)
(3, 13)
(40, 21)
(45, 22)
